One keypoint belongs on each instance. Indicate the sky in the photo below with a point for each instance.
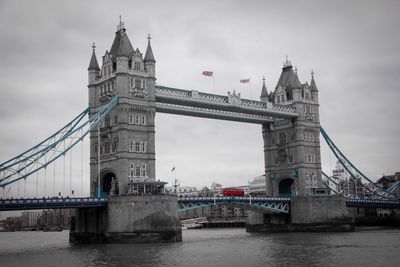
(352, 46)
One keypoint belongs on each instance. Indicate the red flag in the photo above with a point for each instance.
(207, 73)
(245, 81)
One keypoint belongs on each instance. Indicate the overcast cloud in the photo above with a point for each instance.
(353, 47)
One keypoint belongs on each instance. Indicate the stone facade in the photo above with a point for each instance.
(292, 146)
(128, 219)
(127, 145)
(307, 214)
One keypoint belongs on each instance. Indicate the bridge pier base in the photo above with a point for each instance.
(129, 219)
(307, 214)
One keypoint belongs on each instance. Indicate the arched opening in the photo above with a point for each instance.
(109, 184)
(286, 188)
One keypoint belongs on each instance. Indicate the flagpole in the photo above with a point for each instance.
(250, 90)
(213, 83)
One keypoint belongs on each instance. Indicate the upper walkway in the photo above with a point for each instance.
(231, 107)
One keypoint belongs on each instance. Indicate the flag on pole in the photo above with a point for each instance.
(245, 81)
(173, 169)
(207, 73)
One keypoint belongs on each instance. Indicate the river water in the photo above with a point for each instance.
(209, 247)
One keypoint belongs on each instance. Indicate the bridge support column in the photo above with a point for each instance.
(129, 219)
(307, 214)
(266, 222)
(88, 225)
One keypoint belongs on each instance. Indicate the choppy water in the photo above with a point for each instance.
(209, 247)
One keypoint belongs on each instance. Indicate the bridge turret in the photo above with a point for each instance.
(296, 88)
(93, 75)
(121, 49)
(313, 88)
(149, 61)
(264, 92)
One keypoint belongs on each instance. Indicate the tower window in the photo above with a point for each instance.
(137, 146)
(130, 118)
(143, 170)
(143, 120)
(115, 145)
(107, 120)
(138, 83)
(142, 146)
(137, 171)
(130, 146)
(282, 138)
(137, 65)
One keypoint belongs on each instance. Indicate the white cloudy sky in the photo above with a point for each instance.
(353, 47)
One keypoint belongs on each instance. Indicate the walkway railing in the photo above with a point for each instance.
(51, 203)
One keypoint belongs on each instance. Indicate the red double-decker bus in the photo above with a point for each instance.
(232, 191)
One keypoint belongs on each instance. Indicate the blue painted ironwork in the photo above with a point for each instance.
(49, 150)
(275, 205)
(51, 203)
(326, 179)
(373, 203)
(355, 174)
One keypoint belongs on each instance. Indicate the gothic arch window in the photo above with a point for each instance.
(137, 170)
(137, 146)
(138, 83)
(107, 120)
(143, 170)
(142, 146)
(137, 65)
(143, 120)
(131, 146)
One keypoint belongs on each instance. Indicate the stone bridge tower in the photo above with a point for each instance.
(292, 146)
(126, 147)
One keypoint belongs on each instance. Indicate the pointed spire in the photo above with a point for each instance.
(296, 81)
(121, 26)
(93, 65)
(149, 57)
(313, 86)
(264, 92)
(121, 45)
(287, 63)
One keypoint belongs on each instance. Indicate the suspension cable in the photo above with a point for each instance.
(341, 157)
(37, 183)
(82, 163)
(45, 176)
(36, 154)
(54, 178)
(70, 172)
(64, 170)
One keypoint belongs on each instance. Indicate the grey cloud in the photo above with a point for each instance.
(352, 46)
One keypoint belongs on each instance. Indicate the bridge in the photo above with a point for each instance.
(266, 204)
(119, 120)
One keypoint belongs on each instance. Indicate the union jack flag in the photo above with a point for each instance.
(245, 81)
(207, 73)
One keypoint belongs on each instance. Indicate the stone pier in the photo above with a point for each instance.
(307, 214)
(128, 219)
